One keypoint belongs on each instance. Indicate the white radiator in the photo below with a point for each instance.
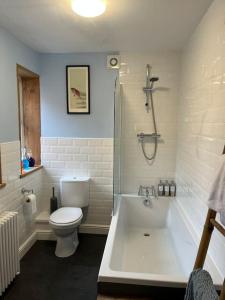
(9, 249)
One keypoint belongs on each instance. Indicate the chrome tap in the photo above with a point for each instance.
(147, 191)
(154, 194)
(140, 190)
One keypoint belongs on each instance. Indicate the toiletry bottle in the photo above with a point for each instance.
(30, 158)
(25, 162)
(160, 188)
(172, 188)
(166, 189)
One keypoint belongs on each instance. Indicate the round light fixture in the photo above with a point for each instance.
(89, 8)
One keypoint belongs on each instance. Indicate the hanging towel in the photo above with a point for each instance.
(200, 286)
(216, 199)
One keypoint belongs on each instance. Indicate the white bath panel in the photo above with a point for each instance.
(150, 251)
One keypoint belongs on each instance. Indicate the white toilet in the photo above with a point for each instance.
(64, 221)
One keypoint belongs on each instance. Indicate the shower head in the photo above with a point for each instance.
(153, 79)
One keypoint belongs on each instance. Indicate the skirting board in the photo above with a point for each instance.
(94, 229)
(48, 235)
(25, 247)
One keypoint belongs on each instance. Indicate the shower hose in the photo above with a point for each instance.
(155, 131)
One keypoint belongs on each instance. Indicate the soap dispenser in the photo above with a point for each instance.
(172, 188)
(166, 189)
(160, 188)
(24, 160)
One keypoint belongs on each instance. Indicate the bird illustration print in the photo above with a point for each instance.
(79, 98)
(78, 94)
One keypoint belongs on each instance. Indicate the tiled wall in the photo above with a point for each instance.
(135, 169)
(11, 197)
(81, 157)
(201, 121)
(60, 156)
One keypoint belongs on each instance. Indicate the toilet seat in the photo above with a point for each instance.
(66, 216)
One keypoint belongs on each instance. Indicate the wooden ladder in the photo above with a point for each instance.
(209, 226)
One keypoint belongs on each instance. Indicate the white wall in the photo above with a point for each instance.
(201, 121)
(80, 157)
(60, 157)
(11, 197)
(135, 169)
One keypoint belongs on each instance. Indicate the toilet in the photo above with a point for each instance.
(74, 192)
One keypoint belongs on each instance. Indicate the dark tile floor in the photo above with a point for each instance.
(46, 277)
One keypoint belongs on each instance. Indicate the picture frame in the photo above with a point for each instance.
(78, 89)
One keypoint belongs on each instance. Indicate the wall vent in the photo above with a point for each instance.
(113, 61)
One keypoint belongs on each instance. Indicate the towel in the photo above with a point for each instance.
(216, 199)
(200, 287)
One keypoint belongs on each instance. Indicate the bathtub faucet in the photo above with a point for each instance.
(147, 191)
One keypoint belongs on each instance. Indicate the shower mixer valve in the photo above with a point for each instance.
(142, 135)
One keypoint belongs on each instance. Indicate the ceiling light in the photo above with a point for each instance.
(89, 8)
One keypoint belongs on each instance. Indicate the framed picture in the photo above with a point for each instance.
(78, 89)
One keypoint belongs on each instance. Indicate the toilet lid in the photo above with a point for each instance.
(66, 215)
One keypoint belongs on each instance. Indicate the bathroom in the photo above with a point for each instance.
(153, 88)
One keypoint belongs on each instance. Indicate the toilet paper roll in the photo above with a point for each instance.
(30, 204)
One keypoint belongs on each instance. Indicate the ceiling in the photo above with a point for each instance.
(138, 25)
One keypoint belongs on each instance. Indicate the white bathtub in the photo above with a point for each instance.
(150, 245)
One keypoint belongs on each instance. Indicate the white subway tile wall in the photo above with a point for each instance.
(135, 169)
(11, 197)
(201, 121)
(81, 157)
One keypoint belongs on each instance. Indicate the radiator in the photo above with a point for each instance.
(9, 249)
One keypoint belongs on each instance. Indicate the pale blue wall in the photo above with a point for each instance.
(55, 120)
(12, 52)
(51, 67)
